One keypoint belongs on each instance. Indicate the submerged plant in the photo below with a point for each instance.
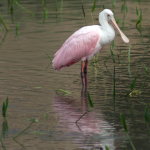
(13, 3)
(135, 93)
(63, 92)
(3, 23)
(129, 60)
(107, 148)
(125, 127)
(147, 114)
(4, 107)
(124, 7)
(90, 100)
(139, 19)
(112, 46)
(93, 6)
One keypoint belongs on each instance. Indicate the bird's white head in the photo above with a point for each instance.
(107, 17)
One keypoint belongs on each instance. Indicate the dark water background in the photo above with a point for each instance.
(36, 31)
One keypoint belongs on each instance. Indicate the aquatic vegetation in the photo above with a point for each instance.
(93, 6)
(123, 122)
(114, 87)
(4, 128)
(45, 10)
(107, 148)
(13, 3)
(17, 29)
(147, 114)
(135, 93)
(125, 127)
(124, 7)
(83, 11)
(139, 19)
(146, 69)
(2, 21)
(63, 92)
(133, 84)
(113, 3)
(5, 107)
(112, 46)
(129, 60)
(90, 100)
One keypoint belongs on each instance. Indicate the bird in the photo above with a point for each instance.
(84, 43)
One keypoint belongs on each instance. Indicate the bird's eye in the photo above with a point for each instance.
(108, 15)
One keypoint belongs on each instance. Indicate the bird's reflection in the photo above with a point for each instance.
(75, 117)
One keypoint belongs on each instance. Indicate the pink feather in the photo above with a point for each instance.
(79, 45)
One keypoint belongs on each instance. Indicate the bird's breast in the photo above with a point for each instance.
(107, 36)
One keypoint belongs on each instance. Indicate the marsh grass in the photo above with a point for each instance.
(124, 10)
(139, 19)
(133, 91)
(113, 3)
(13, 4)
(114, 87)
(5, 107)
(126, 130)
(44, 10)
(129, 61)
(90, 100)
(147, 114)
(112, 47)
(107, 148)
(17, 29)
(63, 92)
(3, 23)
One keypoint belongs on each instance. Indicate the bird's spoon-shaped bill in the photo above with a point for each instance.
(123, 36)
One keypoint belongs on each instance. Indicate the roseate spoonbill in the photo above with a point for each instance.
(87, 41)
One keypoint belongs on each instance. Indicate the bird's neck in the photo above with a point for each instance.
(108, 32)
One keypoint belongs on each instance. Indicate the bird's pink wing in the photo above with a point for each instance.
(76, 47)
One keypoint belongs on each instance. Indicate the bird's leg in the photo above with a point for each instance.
(82, 68)
(85, 66)
(84, 72)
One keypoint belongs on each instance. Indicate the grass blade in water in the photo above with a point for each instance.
(94, 5)
(90, 101)
(123, 122)
(63, 92)
(147, 114)
(4, 107)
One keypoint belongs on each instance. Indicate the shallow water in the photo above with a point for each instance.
(30, 82)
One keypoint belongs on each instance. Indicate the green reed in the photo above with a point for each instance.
(146, 69)
(83, 11)
(139, 19)
(126, 130)
(93, 6)
(129, 60)
(90, 100)
(12, 4)
(124, 10)
(107, 148)
(114, 87)
(44, 10)
(124, 7)
(62, 92)
(5, 107)
(147, 114)
(134, 92)
(3, 23)
(17, 28)
(111, 51)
